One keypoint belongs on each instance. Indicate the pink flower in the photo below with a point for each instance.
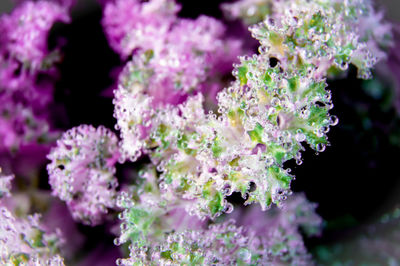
(24, 33)
(23, 56)
(82, 171)
(124, 17)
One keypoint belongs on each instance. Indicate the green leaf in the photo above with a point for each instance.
(216, 204)
(256, 133)
(242, 71)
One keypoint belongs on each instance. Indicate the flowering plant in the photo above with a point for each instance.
(189, 137)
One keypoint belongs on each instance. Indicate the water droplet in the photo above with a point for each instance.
(124, 226)
(163, 186)
(300, 137)
(343, 66)
(117, 241)
(321, 147)
(228, 208)
(333, 120)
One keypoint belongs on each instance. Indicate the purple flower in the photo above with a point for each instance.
(171, 62)
(125, 17)
(82, 171)
(19, 126)
(23, 56)
(24, 34)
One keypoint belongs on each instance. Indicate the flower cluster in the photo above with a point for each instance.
(25, 241)
(271, 237)
(148, 213)
(173, 58)
(348, 32)
(20, 126)
(24, 34)
(82, 171)
(130, 23)
(200, 143)
(26, 72)
(277, 102)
